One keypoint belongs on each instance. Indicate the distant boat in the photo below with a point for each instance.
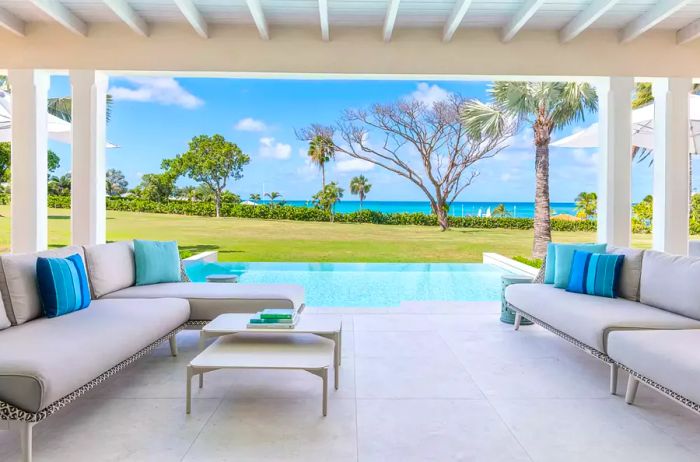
(248, 203)
(488, 212)
(479, 214)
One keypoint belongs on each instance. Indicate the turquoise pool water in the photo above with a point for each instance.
(368, 284)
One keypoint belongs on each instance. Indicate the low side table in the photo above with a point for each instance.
(508, 315)
(230, 278)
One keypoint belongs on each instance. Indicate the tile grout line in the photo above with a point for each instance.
(199, 433)
(354, 377)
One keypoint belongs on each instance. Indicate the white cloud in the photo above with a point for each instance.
(162, 90)
(250, 125)
(429, 94)
(584, 158)
(347, 164)
(506, 177)
(274, 150)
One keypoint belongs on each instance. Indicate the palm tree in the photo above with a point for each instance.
(321, 151)
(272, 195)
(326, 198)
(545, 106)
(255, 197)
(360, 186)
(500, 211)
(586, 205)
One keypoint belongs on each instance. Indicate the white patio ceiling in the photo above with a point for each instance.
(631, 18)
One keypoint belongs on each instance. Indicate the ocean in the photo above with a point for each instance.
(516, 209)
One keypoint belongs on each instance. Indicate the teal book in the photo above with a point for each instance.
(277, 313)
(258, 320)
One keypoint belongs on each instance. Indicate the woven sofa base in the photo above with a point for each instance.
(10, 412)
(692, 405)
(588, 349)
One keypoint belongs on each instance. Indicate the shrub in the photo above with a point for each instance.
(534, 262)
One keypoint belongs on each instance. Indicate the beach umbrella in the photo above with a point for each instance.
(58, 129)
(642, 130)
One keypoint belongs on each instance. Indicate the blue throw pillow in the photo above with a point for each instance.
(550, 263)
(63, 286)
(579, 271)
(156, 262)
(603, 274)
(564, 258)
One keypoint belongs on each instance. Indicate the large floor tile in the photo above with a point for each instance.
(601, 430)
(109, 430)
(433, 430)
(401, 377)
(399, 344)
(278, 430)
(392, 323)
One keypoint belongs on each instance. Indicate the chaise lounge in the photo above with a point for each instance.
(46, 363)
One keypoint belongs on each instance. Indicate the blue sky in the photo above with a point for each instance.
(154, 118)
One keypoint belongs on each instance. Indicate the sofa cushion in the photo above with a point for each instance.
(209, 299)
(668, 357)
(4, 320)
(587, 318)
(110, 267)
(63, 286)
(45, 360)
(671, 282)
(564, 256)
(156, 262)
(631, 271)
(18, 283)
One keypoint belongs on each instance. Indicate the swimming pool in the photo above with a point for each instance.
(368, 284)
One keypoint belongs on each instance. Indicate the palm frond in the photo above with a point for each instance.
(483, 120)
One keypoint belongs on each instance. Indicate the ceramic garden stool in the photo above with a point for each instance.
(508, 315)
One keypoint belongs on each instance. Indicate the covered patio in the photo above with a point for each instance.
(430, 381)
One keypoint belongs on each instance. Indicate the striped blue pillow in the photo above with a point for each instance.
(595, 274)
(63, 285)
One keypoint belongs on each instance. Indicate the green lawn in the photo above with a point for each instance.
(239, 239)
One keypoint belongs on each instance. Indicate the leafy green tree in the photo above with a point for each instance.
(116, 183)
(500, 211)
(156, 187)
(53, 162)
(642, 214)
(211, 160)
(321, 151)
(326, 198)
(586, 205)
(273, 196)
(59, 186)
(360, 186)
(227, 197)
(545, 106)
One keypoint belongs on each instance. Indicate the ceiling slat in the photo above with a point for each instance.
(523, 15)
(455, 19)
(11, 22)
(323, 16)
(256, 12)
(127, 14)
(390, 19)
(585, 19)
(194, 17)
(62, 15)
(651, 18)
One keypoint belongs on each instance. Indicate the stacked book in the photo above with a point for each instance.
(274, 318)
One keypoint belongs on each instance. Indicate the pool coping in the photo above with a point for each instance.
(501, 261)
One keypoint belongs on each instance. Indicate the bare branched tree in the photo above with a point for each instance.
(427, 145)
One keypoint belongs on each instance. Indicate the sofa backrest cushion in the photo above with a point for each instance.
(4, 319)
(110, 267)
(18, 283)
(671, 282)
(631, 271)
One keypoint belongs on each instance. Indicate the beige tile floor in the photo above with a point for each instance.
(423, 382)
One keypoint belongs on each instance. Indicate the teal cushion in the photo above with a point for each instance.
(156, 262)
(579, 271)
(603, 275)
(549, 263)
(63, 286)
(565, 257)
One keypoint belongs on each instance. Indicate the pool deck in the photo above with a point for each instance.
(425, 381)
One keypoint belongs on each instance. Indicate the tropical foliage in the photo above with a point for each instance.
(326, 198)
(500, 211)
(360, 186)
(116, 183)
(587, 205)
(545, 107)
(156, 187)
(321, 151)
(642, 214)
(273, 196)
(59, 186)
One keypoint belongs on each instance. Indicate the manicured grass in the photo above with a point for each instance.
(239, 239)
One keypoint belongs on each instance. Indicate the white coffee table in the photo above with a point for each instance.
(321, 325)
(306, 352)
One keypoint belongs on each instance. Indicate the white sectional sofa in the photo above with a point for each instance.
(654, 334)
(47, 363)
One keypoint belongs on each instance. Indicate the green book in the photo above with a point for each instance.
(277, 313)
(257, 320)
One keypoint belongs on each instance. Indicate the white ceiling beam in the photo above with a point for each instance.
(194, 17)
(323, 16)
(689, 32)
(62, 15)
(127, 14)
(256, 12)
(390, 20)
(585, 19)
(523, 15)
(11, 22)
(455, 19)
(651, 18)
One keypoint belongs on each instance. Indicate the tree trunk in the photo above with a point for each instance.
(441, 213)
(543, 229)
(217, 202)
(323, 176)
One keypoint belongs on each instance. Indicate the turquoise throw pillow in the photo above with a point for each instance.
(579, 271)
(156, 262)
(63, 286)
(549, 263)
(565, 257)
(603, 275)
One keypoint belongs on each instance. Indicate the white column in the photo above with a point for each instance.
(671, 126)
(615, 162)
(29, 231)
(88, 206)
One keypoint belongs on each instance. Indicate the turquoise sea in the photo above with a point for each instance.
(516, 209)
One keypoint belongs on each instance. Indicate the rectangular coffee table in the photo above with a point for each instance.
(322, 325)
(306, 352)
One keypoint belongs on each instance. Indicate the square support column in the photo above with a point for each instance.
(89, 119)
(615, 160)
(29, 228)
(671, 167)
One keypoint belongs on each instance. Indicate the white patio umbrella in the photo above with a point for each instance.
(642, 130)
(58, 129)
